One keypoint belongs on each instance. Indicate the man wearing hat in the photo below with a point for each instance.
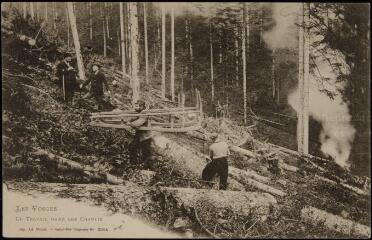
(218, 152)
(67, 78)
(142, 138)
(97, 80)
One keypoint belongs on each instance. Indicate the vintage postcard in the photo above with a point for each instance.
(186, 120)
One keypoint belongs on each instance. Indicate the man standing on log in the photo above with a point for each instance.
(97, 79)
(218, 152)
(142, 138)
(67, 79)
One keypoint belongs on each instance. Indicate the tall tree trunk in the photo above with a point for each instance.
(119, 43)
(55, 16)
(68, 29)
(261, 25)
(245, 23)
(303, 84)
(123, 63)
(75, 37)
(191, 57)
(32, 13)
(146, 44)
(24, 5)
(104, 39)
(163, 52)
(107, 20)
(172, 53)
(220, 46)
(273, 83)
(211, 57)
(46, 11)
(237, 56)
(90, 21)
(135, 50)
(37, 15)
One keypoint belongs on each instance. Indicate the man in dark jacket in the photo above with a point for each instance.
(142, 138)
(67, 79)
(96, 80)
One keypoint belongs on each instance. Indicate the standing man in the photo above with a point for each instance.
(97, 80)
(142, 138)
(67, 79)
(218, 152)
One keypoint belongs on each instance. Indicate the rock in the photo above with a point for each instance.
(282, 182)
(181, 223)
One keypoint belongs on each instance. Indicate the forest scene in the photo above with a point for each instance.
(118, 104)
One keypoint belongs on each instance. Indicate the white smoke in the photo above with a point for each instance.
(337, 132)
(284, 32)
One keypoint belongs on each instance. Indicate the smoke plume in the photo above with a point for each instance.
(337, 132)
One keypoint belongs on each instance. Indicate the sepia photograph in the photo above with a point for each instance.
(186, 120)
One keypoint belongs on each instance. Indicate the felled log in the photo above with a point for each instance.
(242, 151)
(72, 165)
(248, 173)
(243, 203)
(334, 222)
(185, 161)
(257, 185)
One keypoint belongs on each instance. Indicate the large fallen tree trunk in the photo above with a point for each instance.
(191, 163)
(72, 165)
(185, 161)
(242, 203)
(334, 222)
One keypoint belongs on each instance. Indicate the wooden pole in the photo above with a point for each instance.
(163, 52)
(75, 37)
(172, 53)
(146, 43)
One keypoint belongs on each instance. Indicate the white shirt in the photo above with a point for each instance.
(219, 149)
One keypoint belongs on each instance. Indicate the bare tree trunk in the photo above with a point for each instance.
(24, 5)
(273, 84)
(46, 11)
(32, 13)
(191, 57)
(123, 63)
(245, 23)
(104, 39)
(107, 20)
(90, 21)
(135, 50)
(303, 84)
(237, 57)
(37, 15)
(211, 56)
(75, 37)
(119, 44)
(68, 29)
(146, 43)
(172, 53)
(220, 46)
(55, 16)
(163, 52)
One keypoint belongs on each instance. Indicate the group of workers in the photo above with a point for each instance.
(68, 82)
(141, 145)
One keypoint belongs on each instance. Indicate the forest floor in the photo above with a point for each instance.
(35, 117)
